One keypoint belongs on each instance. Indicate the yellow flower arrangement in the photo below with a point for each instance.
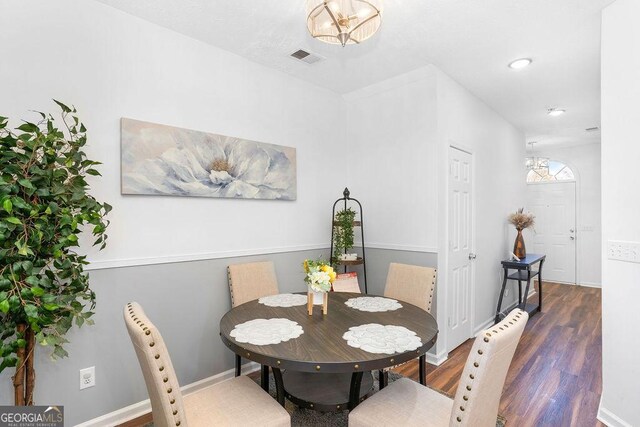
(319, 275)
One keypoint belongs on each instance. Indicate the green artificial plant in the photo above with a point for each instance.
(45, 206)
(342, 233)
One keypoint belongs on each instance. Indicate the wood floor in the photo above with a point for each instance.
(555, 378)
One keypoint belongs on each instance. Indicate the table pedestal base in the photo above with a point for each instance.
(323, 392)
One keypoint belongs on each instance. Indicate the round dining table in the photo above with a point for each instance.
(319, 370)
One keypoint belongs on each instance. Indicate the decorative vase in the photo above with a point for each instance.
(317, 298)
(519, 249)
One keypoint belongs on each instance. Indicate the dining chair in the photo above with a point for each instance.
(415, 285)
(235, 402)
(247, 282)
(407, 403)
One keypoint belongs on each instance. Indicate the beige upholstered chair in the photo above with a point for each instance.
(407, 403)
(411, 283)
(247, 282)
(415, 285)
(236, 402)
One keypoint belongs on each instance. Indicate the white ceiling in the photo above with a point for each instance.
(470, 40)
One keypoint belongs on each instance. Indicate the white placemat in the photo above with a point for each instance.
(266, 331)
(373, 304)
(284, 300)
(387, 339)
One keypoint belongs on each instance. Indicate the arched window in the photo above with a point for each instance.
(557, 171)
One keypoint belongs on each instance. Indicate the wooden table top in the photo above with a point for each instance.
(321, 347)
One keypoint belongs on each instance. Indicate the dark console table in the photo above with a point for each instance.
(523, 271)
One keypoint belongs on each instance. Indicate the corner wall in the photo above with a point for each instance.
(620, 207)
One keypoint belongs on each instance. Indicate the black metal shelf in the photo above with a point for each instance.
(360, 260)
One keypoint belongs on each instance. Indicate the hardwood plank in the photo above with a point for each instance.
(555, 378)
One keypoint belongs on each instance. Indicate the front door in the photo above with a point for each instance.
(554, 234)
(460, 274)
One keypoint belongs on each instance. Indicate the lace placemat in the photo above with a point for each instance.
(284, 300)
(387, 339)
(266, 331)
(373, 304)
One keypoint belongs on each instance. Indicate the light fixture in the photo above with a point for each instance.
(554, 112)
(534, 162)
(343, 21)
(520, 63)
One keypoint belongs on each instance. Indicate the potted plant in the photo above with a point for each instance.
(521, 220)
(44, 208)
(342, 234)
(319, 276)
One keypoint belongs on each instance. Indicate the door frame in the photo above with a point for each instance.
(577, 236)
(472, 264)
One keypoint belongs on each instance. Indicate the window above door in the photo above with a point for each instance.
(557, 171)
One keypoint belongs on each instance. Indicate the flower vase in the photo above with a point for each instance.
(316, 298)
(519, 249)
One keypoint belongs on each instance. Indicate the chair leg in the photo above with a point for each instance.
(238, 365)
(423, 369)
(383, 378)
(264, 378)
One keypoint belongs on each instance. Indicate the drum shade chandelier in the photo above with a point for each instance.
(343, 21)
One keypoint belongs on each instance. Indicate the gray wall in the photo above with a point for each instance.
(186, 301)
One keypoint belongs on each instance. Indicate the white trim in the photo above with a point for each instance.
(609, 418)
(590, 284)
(139, 409)
(394, 247)
(134, 262)
(437, 359)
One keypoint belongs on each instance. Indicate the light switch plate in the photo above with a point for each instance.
(623, 251)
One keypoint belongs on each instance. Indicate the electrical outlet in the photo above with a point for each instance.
(87, 377)
(623, 251)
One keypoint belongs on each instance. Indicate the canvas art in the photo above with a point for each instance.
(166, 160)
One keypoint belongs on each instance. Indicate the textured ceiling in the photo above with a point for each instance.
(470, 40)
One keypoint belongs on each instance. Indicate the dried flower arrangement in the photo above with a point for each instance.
(522, 220)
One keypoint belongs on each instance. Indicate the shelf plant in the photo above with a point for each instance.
(45, 206)
(342, 233)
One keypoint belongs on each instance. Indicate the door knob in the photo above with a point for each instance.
(472, 256)
(571, 230)
(572, 238)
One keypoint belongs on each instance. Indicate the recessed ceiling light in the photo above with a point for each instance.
(520, 63)
(555, 112)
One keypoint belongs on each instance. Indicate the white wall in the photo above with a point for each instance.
(112, 65)
(584, 160)
(398, 133)
(465, 122)
(620, 207)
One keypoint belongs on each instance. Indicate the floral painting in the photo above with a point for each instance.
(165, 160)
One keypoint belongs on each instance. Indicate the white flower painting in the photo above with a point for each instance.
(165, 160)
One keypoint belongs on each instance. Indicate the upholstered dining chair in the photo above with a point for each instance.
(407, 403)
(415, 285)
(247, 282)
(235, 402)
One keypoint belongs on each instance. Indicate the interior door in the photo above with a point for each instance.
(554, 234)
(460, 274)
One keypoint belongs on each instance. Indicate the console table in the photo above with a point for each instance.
(523, 272)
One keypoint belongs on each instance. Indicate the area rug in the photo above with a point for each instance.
(308, 418)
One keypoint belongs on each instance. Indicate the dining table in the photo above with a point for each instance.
(325, 360)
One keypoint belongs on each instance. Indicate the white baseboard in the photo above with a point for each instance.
(609, 418)
(489, 322)
(437, 359)
(591, 284)
(141, 408)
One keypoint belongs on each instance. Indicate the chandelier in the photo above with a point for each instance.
(534, 162)
(343, 21)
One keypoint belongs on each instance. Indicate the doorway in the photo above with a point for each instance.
(554, 205)
(460, 276)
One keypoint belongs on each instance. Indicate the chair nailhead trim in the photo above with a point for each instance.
(469, 387)
(465, 397)
(475, 364)
(161, 368)
(178, 423)
(486, 339)
(169, 390)
(471, 376)
(480, 351)
(151, 344)
(172, 401)
(459, 419)
(175, 412)
(157, 356)
(147, 332)
(165, 380)
(462, 408)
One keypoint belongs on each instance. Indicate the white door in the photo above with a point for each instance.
(554, 234)
(460, 277)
